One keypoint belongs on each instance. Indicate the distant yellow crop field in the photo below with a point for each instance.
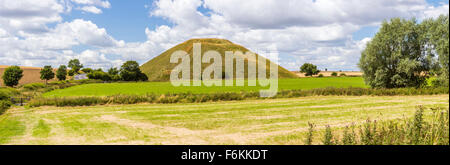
(30, 75)
(328, 73)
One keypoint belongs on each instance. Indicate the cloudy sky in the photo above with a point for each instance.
(105, 33)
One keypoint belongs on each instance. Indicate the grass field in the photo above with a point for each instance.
(166, 87)
(278, 121)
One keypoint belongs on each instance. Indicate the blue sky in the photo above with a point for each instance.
(127, 20)
(105, 33)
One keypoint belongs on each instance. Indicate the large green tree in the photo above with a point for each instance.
(12, 75)
(114, 73)
(436, 41)
(61, 73)
(130, 71)
(309, 69)
(396, 56)
(75, 66)
(47, 73)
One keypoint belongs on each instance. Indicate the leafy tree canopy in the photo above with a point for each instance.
(61, 73)
(130, 71)
(309, 69)
(47, 73)
(402, 53)
(12, 75)
(75, 65)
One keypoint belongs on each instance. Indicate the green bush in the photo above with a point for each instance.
(437, 82)
(4, 104)
(342, 75)
(416, 130)
(320, 75)
(334, 74)
(6, 93)
(99, 75)
(34, 86)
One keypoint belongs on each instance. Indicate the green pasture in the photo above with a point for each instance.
(141, 88)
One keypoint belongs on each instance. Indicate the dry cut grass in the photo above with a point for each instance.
(275, 121)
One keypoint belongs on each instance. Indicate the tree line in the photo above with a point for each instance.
(129, 71)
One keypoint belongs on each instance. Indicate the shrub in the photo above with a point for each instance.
(334, 74)
(4, 104)
(33, 86)
(417, 130)
(87, 70)
(6, 93)
(342, 75)
(99, 75)
(320, 75)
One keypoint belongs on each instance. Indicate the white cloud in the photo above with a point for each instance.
(54, 47)
(91, 9)
(434, 12)
(29, 15)
(100, 3)
(92, 6)
(276, 14)
(302, 31)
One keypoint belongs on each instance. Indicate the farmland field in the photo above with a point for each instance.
(277, 121)
(142, 88)
(30, 75)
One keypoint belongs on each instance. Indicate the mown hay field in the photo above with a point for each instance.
(142, 88)
(275, 121)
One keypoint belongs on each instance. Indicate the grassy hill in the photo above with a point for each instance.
(159, 68)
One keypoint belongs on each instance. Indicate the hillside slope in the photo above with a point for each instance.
(159, 68)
